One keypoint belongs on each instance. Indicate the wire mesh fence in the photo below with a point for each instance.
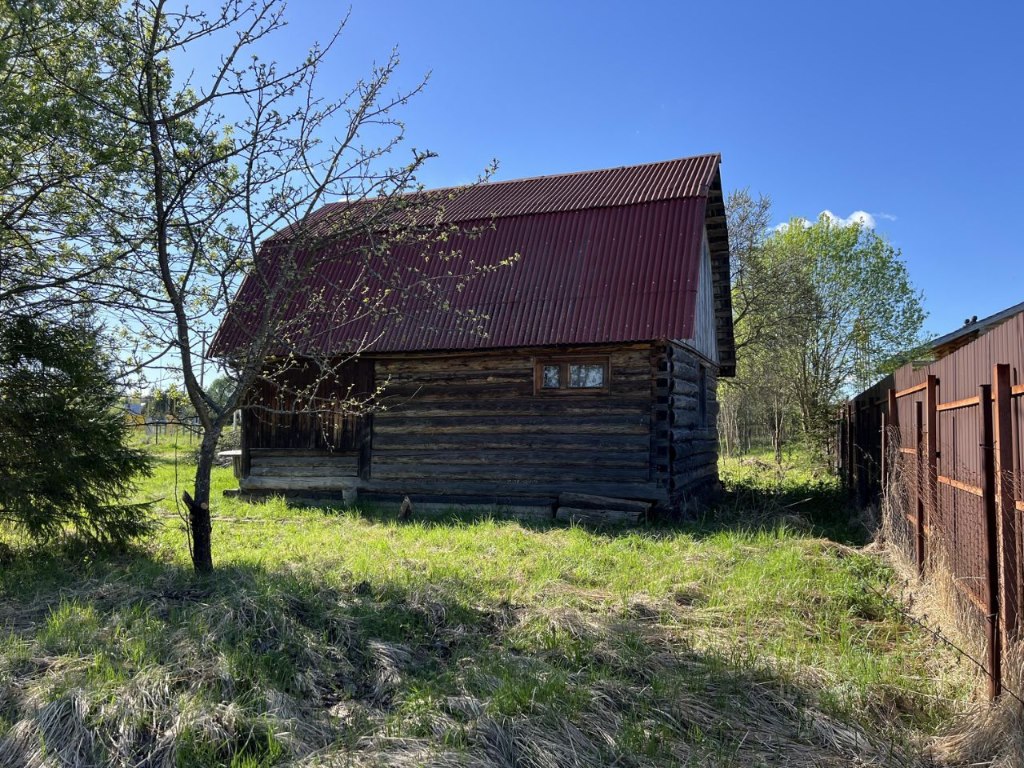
(946, 472)
(158, 430)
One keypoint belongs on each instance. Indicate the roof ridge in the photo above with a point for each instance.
(983, 325)
(488, 184)
(566, 174)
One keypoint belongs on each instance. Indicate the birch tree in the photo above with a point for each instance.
(861, 312)
(821, 311)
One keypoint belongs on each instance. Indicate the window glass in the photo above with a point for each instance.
(586, 375)
(552, 378)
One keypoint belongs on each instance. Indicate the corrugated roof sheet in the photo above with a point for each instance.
(944, 345)
(605, 256)
(606, 188)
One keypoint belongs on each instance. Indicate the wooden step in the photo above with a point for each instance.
(305, 461)
(292, 483)
(258, 470)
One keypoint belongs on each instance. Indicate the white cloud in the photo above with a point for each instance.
(865, 219)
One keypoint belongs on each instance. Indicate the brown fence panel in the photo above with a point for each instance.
(951, 474)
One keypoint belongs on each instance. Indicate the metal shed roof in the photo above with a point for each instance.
(971, 330)
(604, 256)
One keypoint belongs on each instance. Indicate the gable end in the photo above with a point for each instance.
(718, 243)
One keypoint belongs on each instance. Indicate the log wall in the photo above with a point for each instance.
(686, 436)
(470, 428)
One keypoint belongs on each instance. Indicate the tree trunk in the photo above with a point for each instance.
(778, 420)
(199, 505)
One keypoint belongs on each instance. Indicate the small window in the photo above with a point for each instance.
(552, 377)
(571, 375)
(586, 375)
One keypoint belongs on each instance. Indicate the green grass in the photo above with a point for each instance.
(747, 638)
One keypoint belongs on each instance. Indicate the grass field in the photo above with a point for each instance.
(759, 636)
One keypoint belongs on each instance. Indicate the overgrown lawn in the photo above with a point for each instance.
(334, 637)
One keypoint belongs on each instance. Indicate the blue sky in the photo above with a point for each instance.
(913, 112)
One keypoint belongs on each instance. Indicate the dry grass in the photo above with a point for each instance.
(352, 640)
(644, 696)
(986, 733)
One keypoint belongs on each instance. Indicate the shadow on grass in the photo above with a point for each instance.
(130, 661)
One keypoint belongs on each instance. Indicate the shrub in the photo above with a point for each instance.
(65, 461)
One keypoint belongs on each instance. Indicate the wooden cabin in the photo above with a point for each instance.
(596, 372)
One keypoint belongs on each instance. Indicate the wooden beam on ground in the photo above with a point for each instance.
(590, 501)
(597, 516)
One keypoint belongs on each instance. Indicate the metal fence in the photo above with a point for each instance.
(157, 431)
(941, 448)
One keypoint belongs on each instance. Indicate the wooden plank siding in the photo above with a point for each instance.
(705, 330)
(301, 471)
(472, 425)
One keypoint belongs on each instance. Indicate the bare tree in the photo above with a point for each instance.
(749, 220)
(236, 164)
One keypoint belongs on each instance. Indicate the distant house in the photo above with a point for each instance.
(972, 329)
(960, 361)
(597, 373)
(133, 413)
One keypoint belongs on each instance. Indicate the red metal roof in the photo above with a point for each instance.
(606, 188)
(604, 256)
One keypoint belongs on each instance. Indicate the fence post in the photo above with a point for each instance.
(919, 483)
(851, 462)
(932, 455)
(1009, 599)
(895, 443)
(855, 462)
(894, 414)
(245, 427)
(992, 546)
(885, 459)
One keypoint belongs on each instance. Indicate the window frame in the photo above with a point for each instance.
(563, 362)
